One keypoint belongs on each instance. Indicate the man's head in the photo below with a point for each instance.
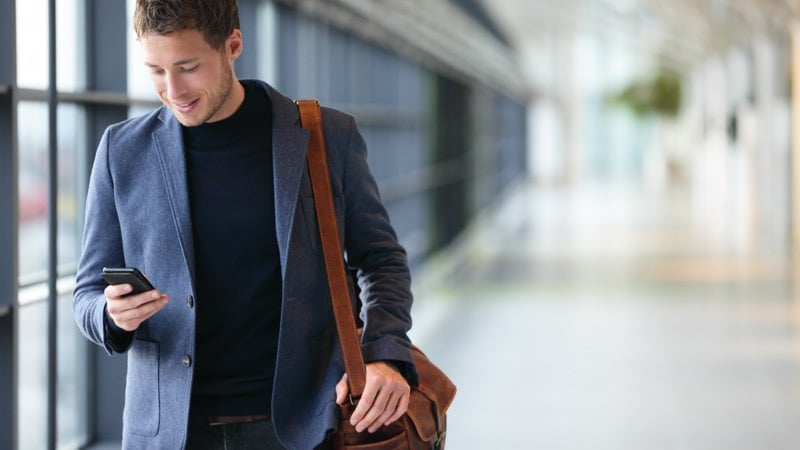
(215, 19)
(189, 47)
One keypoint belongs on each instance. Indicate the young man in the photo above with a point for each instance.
(210, 196)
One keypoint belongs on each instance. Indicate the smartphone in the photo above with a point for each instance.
(129, 275)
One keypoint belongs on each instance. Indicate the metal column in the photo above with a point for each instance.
(52, 266)
(795, 158)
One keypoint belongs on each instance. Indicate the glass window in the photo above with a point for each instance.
(73, 375)
(32, 38)
(266, 34)
(72, 171)
(139, 85)
(33, 191)
(32, 44)
(70, 27)
(135, 111)
(32, 376)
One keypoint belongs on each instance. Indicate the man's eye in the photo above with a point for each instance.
(189, 69)
(157, 71)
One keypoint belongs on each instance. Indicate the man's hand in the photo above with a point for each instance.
(129, 312)
(385, 397)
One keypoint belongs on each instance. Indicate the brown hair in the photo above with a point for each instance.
(216, 19)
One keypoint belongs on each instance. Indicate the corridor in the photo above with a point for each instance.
(613, 317)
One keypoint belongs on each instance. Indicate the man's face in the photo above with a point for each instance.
(192, 78)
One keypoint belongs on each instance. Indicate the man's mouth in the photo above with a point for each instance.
(185, 107)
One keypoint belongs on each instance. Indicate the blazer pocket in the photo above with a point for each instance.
(141, 410)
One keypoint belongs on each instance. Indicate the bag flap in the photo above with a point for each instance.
(429, 401)
(422, 415)
(433, 382)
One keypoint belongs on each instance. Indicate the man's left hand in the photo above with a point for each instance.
(385, 397)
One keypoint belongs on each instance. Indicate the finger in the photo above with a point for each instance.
(402, 408)
(130, 319)
(388, 412)
(342, 389)
(375, 412)
(117, 291)
(118, 305)
(144, 298)
(364, 405)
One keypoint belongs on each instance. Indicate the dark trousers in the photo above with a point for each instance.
(236, 436)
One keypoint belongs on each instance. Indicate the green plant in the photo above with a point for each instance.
(659, 95)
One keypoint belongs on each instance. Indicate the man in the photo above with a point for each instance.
(210, 196)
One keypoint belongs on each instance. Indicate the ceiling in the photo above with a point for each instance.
(453, 38)
(678, 32)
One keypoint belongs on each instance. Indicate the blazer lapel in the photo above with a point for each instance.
(169, 144)
(289, 142)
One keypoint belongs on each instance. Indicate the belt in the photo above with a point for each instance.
(227, 420)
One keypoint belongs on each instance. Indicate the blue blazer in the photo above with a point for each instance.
(137, 214)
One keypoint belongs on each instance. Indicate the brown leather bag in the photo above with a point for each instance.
(424, 425)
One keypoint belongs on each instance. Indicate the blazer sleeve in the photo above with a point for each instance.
(101, 246)
(380, 261)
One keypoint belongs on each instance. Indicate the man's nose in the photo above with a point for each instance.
(175, 86)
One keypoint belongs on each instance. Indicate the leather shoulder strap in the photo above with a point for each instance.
(311, 119)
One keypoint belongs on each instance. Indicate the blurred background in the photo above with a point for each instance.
(599, 199)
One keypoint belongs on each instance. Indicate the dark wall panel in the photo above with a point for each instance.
(109, 395)
(6, 41)
(8, 195)
(107, 38)
(6, 380)
(247, 65)
(451, 159)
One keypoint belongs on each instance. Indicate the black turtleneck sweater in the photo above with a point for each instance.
(237, 266)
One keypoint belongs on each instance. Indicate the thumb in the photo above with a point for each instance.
(342, 389)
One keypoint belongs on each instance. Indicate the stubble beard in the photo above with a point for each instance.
(216, 100)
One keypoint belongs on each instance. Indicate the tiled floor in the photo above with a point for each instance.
(608, 318)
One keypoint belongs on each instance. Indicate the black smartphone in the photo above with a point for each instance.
(129, 275)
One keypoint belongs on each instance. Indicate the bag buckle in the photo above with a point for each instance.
(438, 443)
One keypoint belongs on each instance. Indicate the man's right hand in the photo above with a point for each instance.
(129, 312)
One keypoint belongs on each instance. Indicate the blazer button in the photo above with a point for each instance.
(186, 361)
(190, 301)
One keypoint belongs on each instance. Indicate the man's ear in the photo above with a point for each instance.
(235, 44)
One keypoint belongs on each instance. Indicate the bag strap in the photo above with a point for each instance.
(311, 119)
